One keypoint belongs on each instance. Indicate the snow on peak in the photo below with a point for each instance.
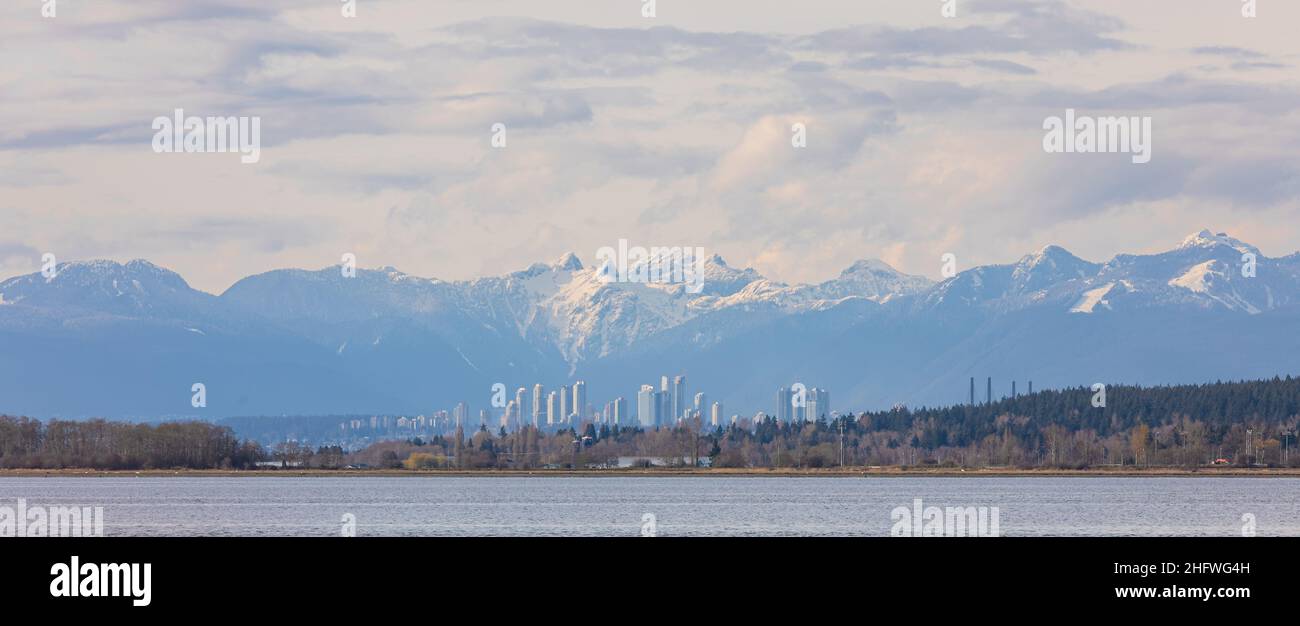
(138, 265)
(1197, 278)
(1050, 266)
(569, 261)
(872, 266)
(1207, 239)
(1211, 280)
(105, 271)
(1088, 302)
(871, 279)
(1053, 256)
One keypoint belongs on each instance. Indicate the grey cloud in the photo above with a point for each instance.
(1004, 66)
(261, 235)
(1032, 27)
(821, 92)
(878, 62)
(617, 51)
(808, 67)
(915, 95)
(78, 135)
(1074, 186)
(1174, 91)
(1251, 181)
(12, 250)
(1228, 51)
(1262, 65)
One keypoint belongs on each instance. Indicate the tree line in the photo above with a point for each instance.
(1238, 423)
(101, 444)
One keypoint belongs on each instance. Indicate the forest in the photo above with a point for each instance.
(100, 444)
(1227, 423)
(1241, 424)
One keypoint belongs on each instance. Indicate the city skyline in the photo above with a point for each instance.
(652, 404)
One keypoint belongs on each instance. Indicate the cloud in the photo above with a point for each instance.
(1228, 51)
(924, 134)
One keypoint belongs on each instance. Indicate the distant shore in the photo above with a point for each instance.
(883, 472)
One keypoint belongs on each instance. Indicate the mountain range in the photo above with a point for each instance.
(128, 340)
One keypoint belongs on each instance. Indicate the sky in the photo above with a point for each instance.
(924, 133)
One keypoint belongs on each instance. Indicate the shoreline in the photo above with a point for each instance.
(864, 472)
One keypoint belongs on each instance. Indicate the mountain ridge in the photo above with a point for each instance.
(400, 342)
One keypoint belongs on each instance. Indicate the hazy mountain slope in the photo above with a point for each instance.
(128, 340)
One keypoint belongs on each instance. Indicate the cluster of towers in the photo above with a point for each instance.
(671, 403)
(988, 390)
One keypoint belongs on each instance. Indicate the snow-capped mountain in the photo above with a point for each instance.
(103, 338)
(137, 288)
(1206, 270)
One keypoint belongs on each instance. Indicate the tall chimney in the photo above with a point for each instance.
(972, 391)
(988, 392)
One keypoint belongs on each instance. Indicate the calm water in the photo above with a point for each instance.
(571, 506)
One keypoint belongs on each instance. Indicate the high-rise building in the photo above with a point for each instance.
(538, 409)
(509, 417)
(621, 416)
(701, 403)
(552, 409)
(647, 406)
(663, 398)
(784, 410)
(521, 404)
(565, 399)
(678, 399)
(818, 405)
(461, 414)
(715, 415)
(579, 402)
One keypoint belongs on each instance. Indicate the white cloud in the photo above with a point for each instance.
(923, 132)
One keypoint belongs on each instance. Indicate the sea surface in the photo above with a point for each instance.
(676, 506)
